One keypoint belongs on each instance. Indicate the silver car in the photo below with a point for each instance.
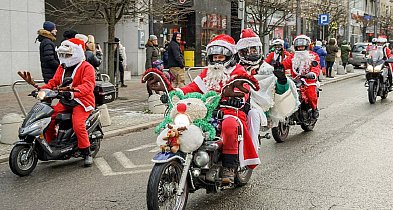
(358, 55)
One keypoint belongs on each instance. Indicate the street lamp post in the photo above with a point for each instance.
(349, 22)
(298, 18)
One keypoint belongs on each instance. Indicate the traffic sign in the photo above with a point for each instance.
(323, 19)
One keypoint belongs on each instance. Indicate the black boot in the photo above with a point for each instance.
(86, 154)
(315, 113)
(230, 163)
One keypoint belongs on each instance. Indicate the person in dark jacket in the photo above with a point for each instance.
(176, 61)
(48, 55)
(345, 50)
(69, 34)
(152, 51)
(119, 49)
(321, 53)
(94, 55)
(331, 50)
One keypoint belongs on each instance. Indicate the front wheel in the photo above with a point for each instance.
(162, 187)
(243, 175)
(372, 92)
(20, 164)
(309, 126)
(280, 133)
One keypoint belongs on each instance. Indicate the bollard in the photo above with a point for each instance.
(340, 70)
(9, 128)
(104, 113)
(155, 104)
(335, 66)
(321, 76)
(350, 68)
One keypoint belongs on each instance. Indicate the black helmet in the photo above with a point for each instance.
(220, 50)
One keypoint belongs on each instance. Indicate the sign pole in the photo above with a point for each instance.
(323, 32)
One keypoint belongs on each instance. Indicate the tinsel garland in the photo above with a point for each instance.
(203, 123)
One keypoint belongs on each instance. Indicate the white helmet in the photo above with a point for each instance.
(301, 40)
(278, 42)
(249, 48)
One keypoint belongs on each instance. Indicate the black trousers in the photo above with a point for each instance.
(121, 70)
(329, 67)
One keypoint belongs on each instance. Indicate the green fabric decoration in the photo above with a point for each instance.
(280, 89)
(211, 100)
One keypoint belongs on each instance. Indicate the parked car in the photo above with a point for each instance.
(358, 55)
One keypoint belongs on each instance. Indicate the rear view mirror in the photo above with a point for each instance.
(314, 63)
(363, 52)
(389, 60)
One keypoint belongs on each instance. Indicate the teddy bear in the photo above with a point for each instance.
(172, 139)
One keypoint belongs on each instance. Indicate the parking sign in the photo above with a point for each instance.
(323, 19)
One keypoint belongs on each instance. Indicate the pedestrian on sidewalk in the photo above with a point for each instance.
(331, 50)
(345, 50)
(152, 51)
(176, 61)
(322, 54)
(93, 54)
(69, 34)
(121, 50)
(48, 56)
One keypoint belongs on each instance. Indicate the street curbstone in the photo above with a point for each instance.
(352, 75)
(123, 131)
(3, 158)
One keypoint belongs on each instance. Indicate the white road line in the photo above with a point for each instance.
(104, 167)
(141, 147)
(106, 170)
(123, 160)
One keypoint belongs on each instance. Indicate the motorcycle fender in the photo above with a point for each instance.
(164, 157)
(23, 143)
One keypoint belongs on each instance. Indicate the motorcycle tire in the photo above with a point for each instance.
(372, 92)
(242, 177)
(385, 92)
(22, 167)
(280, 133)
(309, 127)
(159, 189)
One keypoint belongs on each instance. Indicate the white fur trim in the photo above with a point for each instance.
(242, 162)
(89, 108)
(202, 86)
(248, 42)
(228, 45)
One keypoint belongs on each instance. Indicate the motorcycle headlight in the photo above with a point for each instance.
(378, 68)
(41, 95)
(370, 68)
(182, 120)
(201, 158)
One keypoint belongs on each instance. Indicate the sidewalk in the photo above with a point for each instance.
(127, 112)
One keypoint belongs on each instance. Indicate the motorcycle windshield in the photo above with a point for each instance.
(375, 57)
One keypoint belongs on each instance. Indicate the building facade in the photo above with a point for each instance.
(20, 20)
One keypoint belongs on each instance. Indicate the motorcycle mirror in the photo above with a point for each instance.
(363, 52)
(314, 63)
(66, 81)
(389, 60)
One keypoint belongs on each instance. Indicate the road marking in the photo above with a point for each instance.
(125, 162)
(142, 147)
(106, 170)
(155, 150)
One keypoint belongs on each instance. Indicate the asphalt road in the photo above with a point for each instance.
(345, 163)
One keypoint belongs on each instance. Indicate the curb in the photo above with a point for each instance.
(342, 78)
(113, 133)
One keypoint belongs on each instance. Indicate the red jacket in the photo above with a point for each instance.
(83, 79)
(314, 69)
(271, 56)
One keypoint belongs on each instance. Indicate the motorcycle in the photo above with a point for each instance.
(377, 76)
(32, 145)
(197, 165)
(303, 116)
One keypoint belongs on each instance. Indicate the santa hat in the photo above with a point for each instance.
(77, 42)
(82, 37)
(248, 39)
(223, 40)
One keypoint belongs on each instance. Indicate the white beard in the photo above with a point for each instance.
(215, 77)
(301, 62)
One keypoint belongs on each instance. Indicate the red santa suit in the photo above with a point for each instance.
(83, 76)
(273, 56)
(301, 66)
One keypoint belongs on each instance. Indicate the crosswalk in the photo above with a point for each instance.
(125, 162)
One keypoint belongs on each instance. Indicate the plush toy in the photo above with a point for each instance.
(172, 139)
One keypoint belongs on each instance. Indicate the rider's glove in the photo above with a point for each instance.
(67, 95)
(311, 75)
(235, 102)
(279, 72)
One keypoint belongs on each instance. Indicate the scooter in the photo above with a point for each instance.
(32, 145)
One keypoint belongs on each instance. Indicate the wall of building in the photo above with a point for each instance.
(20, 20)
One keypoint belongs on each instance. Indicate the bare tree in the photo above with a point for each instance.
(263, 16)
(73, 12)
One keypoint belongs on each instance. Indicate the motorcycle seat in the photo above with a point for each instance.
(63, 116)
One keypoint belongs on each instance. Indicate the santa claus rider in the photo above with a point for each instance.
(80, 103)
(381, 43)
(221, 68)
(279, 53)
(304, 65)
(277, 97)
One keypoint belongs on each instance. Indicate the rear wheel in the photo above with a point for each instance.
(280, 133)
(20, 163)
(372, 92)
(162, 187)
(309, 126)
